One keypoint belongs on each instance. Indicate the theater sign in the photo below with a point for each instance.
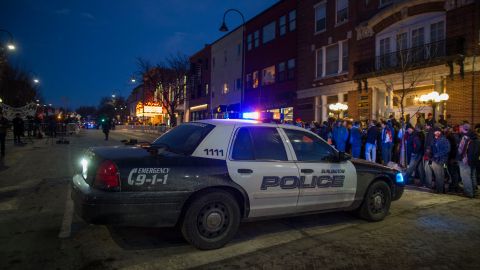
(150, 109)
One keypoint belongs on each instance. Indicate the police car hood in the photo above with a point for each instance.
(361, 164)
(119, 152)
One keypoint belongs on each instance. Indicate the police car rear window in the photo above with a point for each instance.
(185, 138)
(258, 143)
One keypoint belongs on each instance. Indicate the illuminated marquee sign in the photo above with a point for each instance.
(150, 109)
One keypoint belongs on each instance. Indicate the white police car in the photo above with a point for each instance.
(208, 176)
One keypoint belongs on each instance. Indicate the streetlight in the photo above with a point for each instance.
(434, 98)
(224, 28)
(10, 46)
(133, 80)
(36, 81)
(338, 108)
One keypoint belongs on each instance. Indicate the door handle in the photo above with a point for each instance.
(245, 171)
(306, 171)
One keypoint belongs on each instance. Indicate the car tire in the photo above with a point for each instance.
(376, 204)
(211, 220)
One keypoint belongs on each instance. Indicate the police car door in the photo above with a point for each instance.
(260, 163)
(324, 184)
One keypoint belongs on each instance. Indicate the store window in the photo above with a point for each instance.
(255, 79)
(268, 75)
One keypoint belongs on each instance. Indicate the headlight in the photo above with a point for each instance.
(84, 163)
(399, 178)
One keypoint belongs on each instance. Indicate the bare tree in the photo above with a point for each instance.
(17, 87)
(165, 82)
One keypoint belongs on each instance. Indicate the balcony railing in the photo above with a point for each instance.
(411, 57)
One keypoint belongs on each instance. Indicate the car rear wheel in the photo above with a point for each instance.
(376, 203)
(211, 220)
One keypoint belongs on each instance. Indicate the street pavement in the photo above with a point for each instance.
(38, 229)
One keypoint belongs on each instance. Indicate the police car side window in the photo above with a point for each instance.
(243, 147)
(308, 147)
(258, 143)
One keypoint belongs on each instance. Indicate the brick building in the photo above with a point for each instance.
(270, 61)
(360, 52)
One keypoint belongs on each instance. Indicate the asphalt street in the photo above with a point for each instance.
(38, 229)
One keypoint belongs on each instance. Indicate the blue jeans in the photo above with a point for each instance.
(415, 160)
(356, 151)
(437, 170)
(386, 153)
(466, 174)
(371, 152)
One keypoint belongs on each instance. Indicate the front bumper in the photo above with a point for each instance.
(148, 209)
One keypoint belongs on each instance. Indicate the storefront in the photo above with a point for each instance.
(151, 113)
(199, 112)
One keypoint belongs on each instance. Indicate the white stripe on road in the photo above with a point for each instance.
(66, 228)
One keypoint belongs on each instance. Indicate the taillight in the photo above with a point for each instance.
(107, 176)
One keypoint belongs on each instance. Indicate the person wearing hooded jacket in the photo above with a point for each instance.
(414, 151)
(467, 156)
(340, 136)
(356, 139)
(439, 150)
(387, 142)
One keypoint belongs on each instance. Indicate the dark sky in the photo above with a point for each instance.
(83, 50)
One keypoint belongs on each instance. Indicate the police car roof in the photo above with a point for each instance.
(244, 122)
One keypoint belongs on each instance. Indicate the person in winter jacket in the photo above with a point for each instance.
(440, 149)
(340, 136)
(414, 151)
(387, 142)
(356, 139)
(372, 139)
(467, 156)
(18, 128)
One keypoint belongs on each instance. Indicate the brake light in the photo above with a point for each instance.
(107, 176)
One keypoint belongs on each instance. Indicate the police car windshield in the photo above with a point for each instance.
(184, 138)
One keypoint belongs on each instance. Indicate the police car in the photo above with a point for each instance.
(208, 176)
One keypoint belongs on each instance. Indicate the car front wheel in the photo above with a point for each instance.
(376, 203)
(211, 220)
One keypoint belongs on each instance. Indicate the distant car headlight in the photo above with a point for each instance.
(399, 178)
(84, 163)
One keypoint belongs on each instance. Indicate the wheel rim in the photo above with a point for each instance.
(213, 220)
(377, 201)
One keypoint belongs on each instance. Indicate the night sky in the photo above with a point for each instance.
(83, 50)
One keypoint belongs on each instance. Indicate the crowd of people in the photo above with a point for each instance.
(434, 154)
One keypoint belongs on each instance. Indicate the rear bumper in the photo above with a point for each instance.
(149, 209)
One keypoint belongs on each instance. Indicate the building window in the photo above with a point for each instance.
(291, 68)
(345, 56)
(331, 61)
(283, 25)
(268, 75)
(281, 72)
(225, 88)
(319, 63)
(292, 20)
(268, 33)
(320, 17)
(249, 42)
(342, 11)
(418, 39)
(249, 80)
(256, 37)
(239, 84)
(437, 38)
(255, 79)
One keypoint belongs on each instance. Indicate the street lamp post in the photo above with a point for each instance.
(338, 108)
(224, 28)
(434, 98)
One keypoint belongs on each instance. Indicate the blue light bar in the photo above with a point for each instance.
(251, 115)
